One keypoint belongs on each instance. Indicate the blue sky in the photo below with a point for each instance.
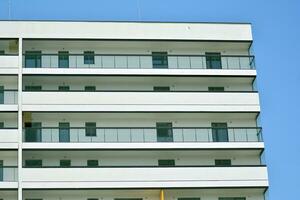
(276, 31)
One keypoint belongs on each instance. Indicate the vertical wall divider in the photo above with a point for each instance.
(20, 127)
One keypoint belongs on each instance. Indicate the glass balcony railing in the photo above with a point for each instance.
(8, 173)
(142, 134)
(8, 96)
(130, 61)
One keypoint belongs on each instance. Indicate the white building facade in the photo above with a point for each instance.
(129, 111)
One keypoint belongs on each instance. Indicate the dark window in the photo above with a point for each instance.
(90, 129)
(1, 94)
(33, 59)
(65, 163)
(89, 57)
(128, 198)
(188, 198)
(219, 132)
(164, 132)
(64, 132)
(213, 60)
(161, 88)
(92, 163)
(1, 170)
(223, 162)
(63, 59)
(63, 88)
(232, 198)
(160, 59)
(166, 163)
(216, 89)
(33, 163)
(2, 52)
(92, 199)
(1, 124)
(33, 132)
(33, 88)
(90, 88)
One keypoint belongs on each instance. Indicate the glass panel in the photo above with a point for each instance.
(64, 132)
(1, 124)
(63, 59)
(219, 132)
(33, 59)
(213, 60)
(160, 59)
(164, 132)
(189, 198)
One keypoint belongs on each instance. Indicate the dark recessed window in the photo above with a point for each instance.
(90, 129)
(232, 198)
(65, 163)
(1, 124)
(161, 88)
(216, 89)
(90, 88)
(63, 59)
(2, 52)
(92, 163)
(33, 88)
(160, 59)
(166, 163)
(188, 198)
(223, 162)
(33, 163)
(1, 94)
(213, 60)
(164, 132)
(219, 132)
(89, 57)
(33, 59)
(63, 88)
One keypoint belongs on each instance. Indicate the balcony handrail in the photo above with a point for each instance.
(15, 128)
(168, 55)
(9, 54)
(8, 166)
(45, 127)
(9, 90)
(174, 91)
(144, 166)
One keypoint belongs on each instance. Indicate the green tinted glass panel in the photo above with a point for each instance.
(89, 57)
(63, 59)
(219, 132)
(161, 88)
(216, 89)
(90, 129)
(63, 88)
(33, 59)
(65, 163)
(92, 163)
(33, 88)
(33, 163)
(164, 132)
(90, 88)
(213, 60)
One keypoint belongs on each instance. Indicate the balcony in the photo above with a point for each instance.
(8, 138)
(145, 177)
(9, 64)
(143, 138)
(148, 64)
(8, 177)
(8, 100)
(136, 101)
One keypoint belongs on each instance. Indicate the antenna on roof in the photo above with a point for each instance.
(9, 9)
(139, 9)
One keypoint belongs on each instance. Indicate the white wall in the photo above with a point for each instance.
(140, 101)
(126, 30)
